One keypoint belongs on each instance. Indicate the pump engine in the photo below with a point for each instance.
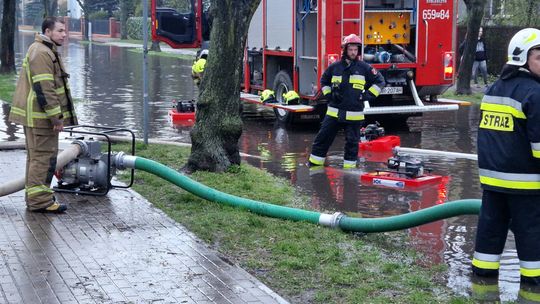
(92, 171)
(184, 106)
(407, 165)
(372, 132)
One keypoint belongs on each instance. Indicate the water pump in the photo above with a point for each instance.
(92, 171)
(407, 165)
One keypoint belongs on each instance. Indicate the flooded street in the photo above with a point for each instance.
(107, 84)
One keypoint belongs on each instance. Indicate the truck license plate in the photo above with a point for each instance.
(392, 90)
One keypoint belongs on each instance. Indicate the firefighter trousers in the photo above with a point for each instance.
(500, 212)
(324, 139)
(42, 149)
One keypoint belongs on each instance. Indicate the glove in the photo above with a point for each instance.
(336, 93)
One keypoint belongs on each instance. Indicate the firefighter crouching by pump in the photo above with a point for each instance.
(197, 69)
(347, 84)
(42, 104)
(509, 162)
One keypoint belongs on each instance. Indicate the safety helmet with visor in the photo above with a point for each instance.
(520, 45)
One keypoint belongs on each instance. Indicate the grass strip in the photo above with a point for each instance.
(7, 87)
(302, 262)
(475, 98)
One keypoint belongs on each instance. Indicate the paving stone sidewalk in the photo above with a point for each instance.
(112, 249)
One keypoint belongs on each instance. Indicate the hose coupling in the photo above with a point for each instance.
(330, 220)
(123, 161)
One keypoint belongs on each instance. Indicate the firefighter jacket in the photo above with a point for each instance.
(509, 134)
(42, 97)
(347, 86)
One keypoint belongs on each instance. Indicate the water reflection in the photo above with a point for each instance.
(106, 82)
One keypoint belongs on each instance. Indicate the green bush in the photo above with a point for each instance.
(99, 15)
(134, 28)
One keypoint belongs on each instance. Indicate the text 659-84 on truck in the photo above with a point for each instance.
(291, 42)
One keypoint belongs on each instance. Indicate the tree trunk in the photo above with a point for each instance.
(7, 38)
(126, 6)
(475, 13)
(218, 122)
(85, 11)
(49, 7)
(155, 46)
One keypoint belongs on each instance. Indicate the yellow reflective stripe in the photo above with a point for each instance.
(502, 109)
(18, 111)
(529, 272)
(54, 111)
(528, 295)
(39, 115)
(336, 79)
(332, 112)
(317, 160)
(535, 147)
(30, 108)
(509, 184)
(375, 90)
(358, 86)
(41, 77)
(486, 265)
(60, 90)
(354, 115)
(357, 79)
(67, 114)
(484, 289)
(326, 90)
(37, 189)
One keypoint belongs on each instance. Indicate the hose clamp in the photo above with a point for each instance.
(330, 220)
(84, 147)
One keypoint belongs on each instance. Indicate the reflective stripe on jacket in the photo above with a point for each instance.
(509, 135)
(348, 85)
(41, 97)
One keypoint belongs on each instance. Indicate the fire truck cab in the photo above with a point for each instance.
(291, 42)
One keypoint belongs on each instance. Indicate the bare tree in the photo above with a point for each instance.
(218, 124)
(49, 7)
(7, 38)
(475, 13)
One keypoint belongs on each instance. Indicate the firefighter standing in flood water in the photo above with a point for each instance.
(509, 162)
(347, 84)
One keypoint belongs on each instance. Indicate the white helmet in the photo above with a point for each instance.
(204, 54)
(520, 45)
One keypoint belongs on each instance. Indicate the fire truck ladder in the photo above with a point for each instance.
(357, 21)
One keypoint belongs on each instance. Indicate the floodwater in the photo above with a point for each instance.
(107, 83)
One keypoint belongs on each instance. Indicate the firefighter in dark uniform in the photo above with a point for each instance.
(347, 84)
(509, 162)
(42, 104)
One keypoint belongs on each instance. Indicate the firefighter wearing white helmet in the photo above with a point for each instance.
(347, 84)
(509, 162)
(197, 69)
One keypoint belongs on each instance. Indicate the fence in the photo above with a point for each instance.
(101, 27)
(74, 25)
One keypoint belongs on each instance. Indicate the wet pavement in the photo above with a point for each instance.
(106, 81)
(110, 249)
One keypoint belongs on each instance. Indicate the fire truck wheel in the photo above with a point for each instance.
(282, 84)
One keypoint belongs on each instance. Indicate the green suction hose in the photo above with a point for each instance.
(404, 221)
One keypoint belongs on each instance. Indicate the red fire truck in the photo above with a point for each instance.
(291, 42)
